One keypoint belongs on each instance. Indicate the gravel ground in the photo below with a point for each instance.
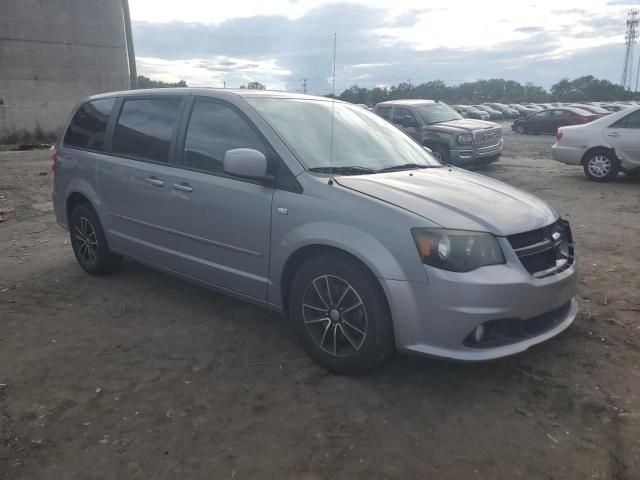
(139, 375)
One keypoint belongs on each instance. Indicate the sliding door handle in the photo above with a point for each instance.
(154, 181)
(183, 187)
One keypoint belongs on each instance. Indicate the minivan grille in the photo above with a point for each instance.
(545, 251)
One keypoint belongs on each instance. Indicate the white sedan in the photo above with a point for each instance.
(603, 147)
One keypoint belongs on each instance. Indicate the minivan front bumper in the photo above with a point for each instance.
(439, 318)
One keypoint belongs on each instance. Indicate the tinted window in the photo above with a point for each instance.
(541, 115)
(89, 124)
(384, 112)
(144, 129)
(559, 114)
(400, 113)
(214, 129)
(630, 121)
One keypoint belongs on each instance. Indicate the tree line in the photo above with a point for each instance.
(146, 82)
(586, 88)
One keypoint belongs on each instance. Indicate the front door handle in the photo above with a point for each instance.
(614, 134)
(183, 187)
(154, 181)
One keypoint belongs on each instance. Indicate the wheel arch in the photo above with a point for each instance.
(73, 200)
(306, 252)
(429, 142)
(82, 191)
(591, 150)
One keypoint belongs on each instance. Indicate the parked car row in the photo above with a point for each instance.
(552, 118)
(501, 111)
(548, 121)
(486, 111)
(469, 111)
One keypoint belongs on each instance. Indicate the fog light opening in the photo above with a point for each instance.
(478, 333)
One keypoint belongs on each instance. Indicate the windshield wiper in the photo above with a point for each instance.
(404, 166)
(348, 170)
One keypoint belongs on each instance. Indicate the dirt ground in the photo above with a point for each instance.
(143, 376)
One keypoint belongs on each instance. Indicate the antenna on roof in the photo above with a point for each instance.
(333, 102)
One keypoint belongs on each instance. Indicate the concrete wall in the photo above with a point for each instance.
(52, 54)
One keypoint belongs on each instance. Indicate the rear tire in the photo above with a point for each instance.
(89, 242)
(601, 165)
(339, 313)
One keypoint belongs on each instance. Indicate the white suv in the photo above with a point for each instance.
(603, 147)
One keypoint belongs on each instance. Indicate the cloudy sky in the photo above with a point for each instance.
(379, 42)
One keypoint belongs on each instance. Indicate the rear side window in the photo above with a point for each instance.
(213, 129)
(541, 115)
(145, 128)
(88, 125)
(400, 113)
(630, 121)
(384, 112)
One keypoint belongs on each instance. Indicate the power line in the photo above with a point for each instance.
(630, 37)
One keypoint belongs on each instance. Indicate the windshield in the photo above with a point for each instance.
(361, 138)
(436, 112)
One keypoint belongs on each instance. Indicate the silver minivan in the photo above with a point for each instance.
(320, 210)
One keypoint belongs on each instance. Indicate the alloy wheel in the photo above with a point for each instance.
(87, 241)
(599, 166)
(334, 315)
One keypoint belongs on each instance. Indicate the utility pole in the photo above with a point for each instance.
(304, 85)
(630, 37)
(133, 72)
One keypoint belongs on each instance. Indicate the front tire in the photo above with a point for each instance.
(89, 242)
(601, 166)
(340, 315)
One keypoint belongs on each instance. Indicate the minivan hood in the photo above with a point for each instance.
(462, 126)
(457, 199)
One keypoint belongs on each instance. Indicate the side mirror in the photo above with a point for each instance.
(245, 162)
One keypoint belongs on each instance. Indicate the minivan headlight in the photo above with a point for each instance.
(457, 250)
